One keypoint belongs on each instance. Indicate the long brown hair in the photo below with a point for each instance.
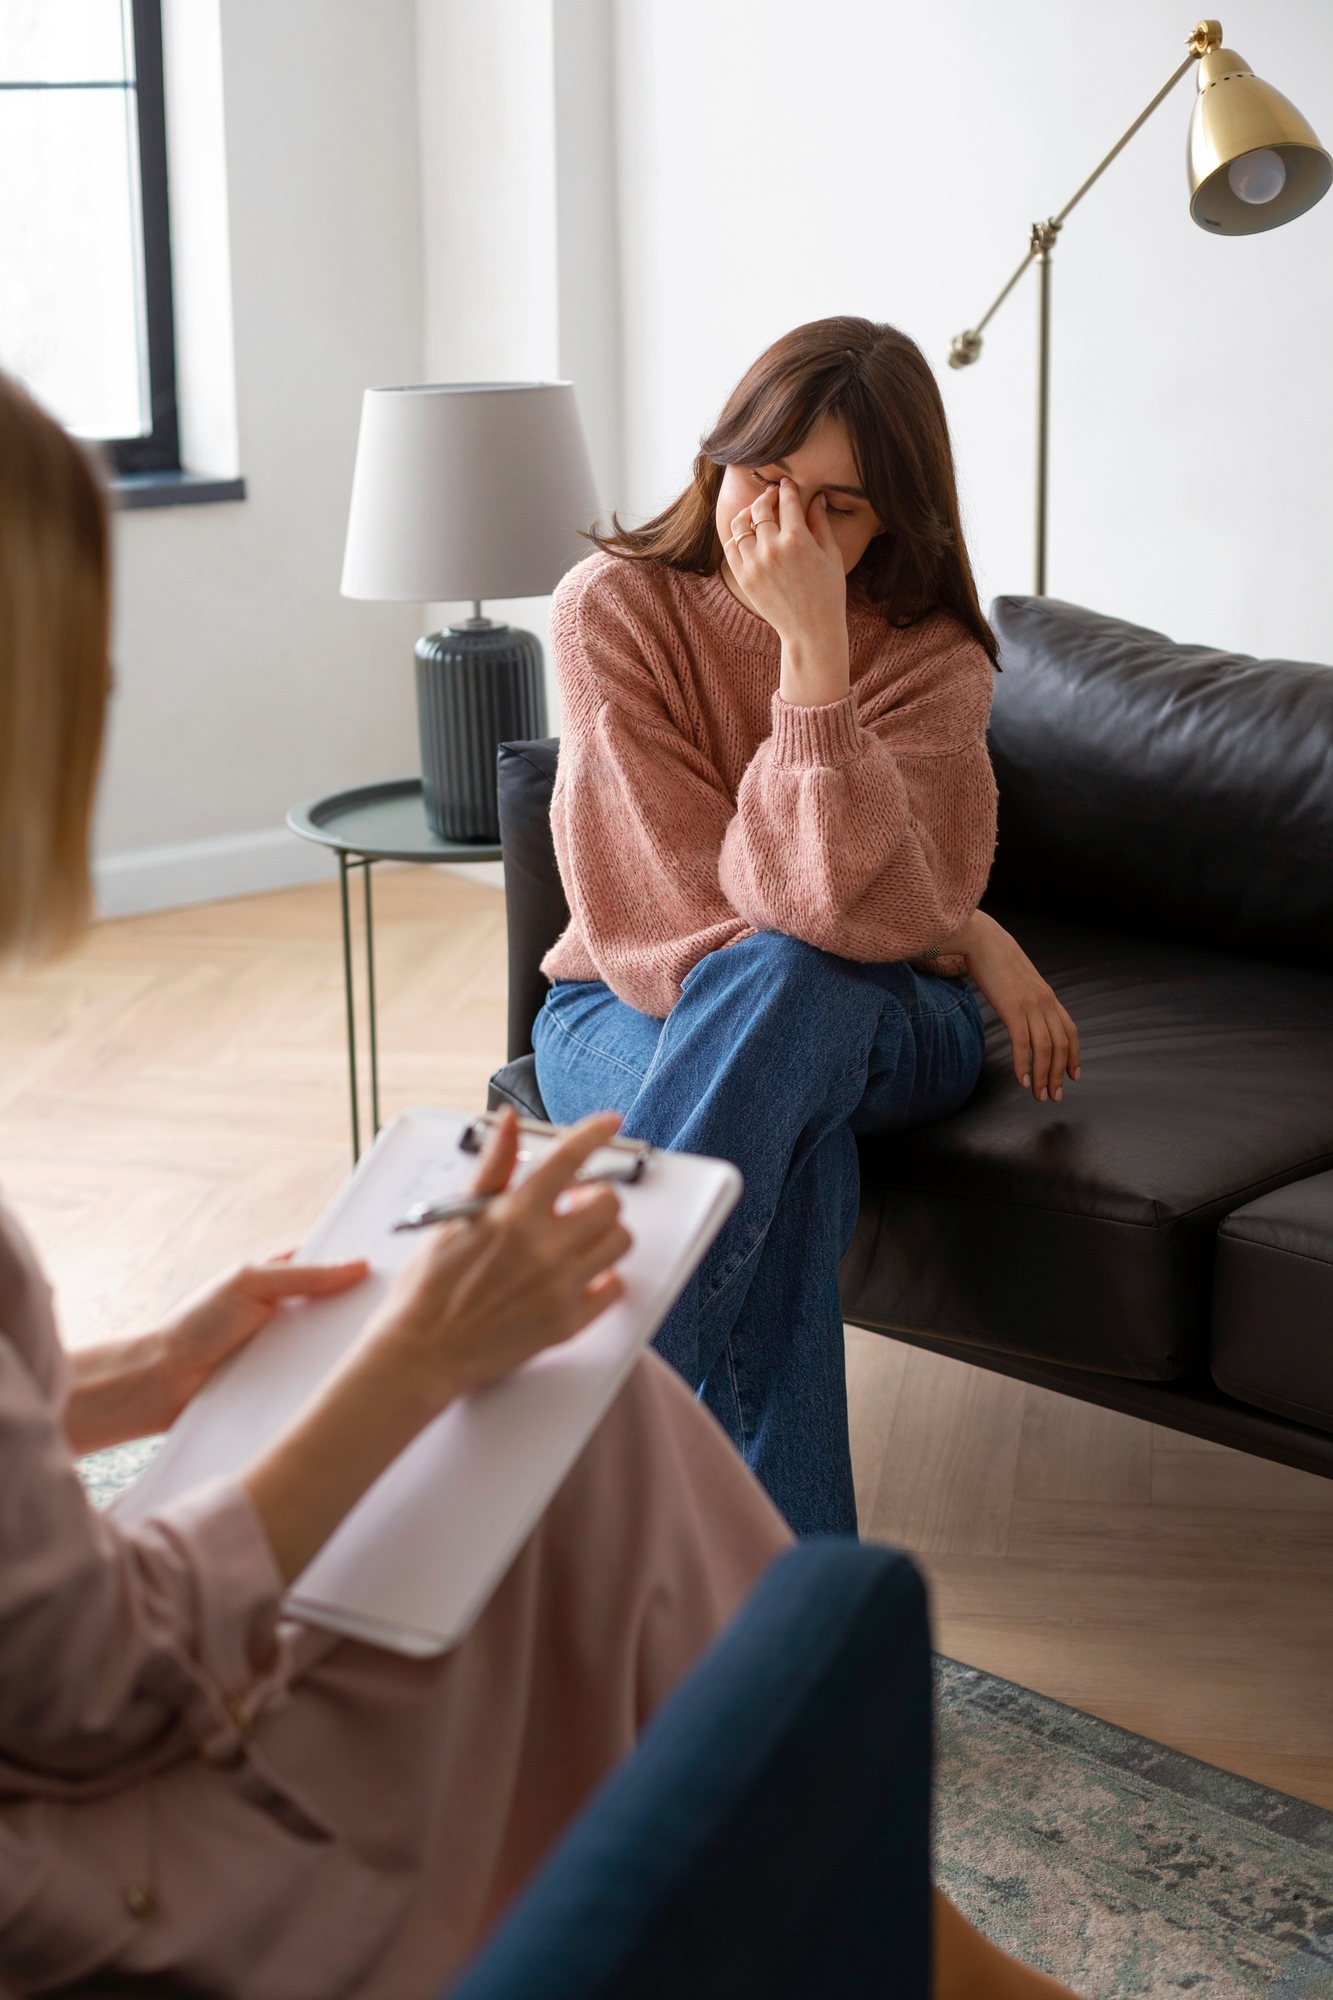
(879, 386)
(54, 619)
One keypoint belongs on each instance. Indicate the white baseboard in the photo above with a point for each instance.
(234, 864)
(207, 871)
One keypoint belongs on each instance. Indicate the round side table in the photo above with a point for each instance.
(374, 823)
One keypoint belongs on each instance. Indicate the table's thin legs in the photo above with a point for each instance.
(350, 994)
(370, 1006)
(395, 814)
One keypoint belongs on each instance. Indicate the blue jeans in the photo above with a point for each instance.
(775, 1056)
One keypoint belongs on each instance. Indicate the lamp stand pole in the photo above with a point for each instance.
(966, 347)
(1043, 239)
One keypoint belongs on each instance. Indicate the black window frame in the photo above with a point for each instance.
(160, 450)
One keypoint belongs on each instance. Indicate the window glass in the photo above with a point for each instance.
(65, 41)
(72, 293)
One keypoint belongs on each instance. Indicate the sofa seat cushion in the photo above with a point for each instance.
(1084, 1232)
(1273, 1303)
(516, 1085)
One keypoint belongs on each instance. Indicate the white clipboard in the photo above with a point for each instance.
(414, 1563)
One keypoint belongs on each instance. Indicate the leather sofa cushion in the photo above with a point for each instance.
(1170, 790)
(516, 1085)
(1084, 1232)
(1273, 1303)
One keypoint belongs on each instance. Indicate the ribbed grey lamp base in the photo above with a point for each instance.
(478, 685)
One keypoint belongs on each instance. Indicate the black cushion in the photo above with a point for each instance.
(1171, 790)
(1083, 1232)
(535, 908)
(516, 1085)
(1273, 1308)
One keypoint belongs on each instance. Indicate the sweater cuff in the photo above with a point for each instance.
(816, 737)
(944, 964)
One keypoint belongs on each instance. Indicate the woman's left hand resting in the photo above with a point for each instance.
(1041, 1033)
(136, 1387)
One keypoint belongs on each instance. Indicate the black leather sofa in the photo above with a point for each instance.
(1162, 1242)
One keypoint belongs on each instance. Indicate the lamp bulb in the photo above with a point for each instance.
(1258, 177)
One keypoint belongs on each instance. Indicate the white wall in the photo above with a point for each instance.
(784, 162)
(244, 681)
(520, 236)
(589, 277)
(486, 105)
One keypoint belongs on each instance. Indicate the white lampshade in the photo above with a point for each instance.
(468, 490)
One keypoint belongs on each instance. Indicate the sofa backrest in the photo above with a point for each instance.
(1167, 789)
(535, 908)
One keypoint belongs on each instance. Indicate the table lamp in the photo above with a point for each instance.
(469, 490)
(1253, 164)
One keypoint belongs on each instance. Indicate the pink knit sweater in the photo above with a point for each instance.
(694, 806)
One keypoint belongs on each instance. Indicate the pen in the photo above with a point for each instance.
(473, 1136)
(425, 1214)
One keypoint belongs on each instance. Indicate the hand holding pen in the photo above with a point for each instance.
(622, 1162)
(473, 1304)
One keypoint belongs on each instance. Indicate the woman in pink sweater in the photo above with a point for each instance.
(774, 818)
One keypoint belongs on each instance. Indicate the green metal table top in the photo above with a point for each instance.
(382, 823)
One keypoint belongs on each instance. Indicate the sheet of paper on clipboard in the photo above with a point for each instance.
(415, 1561)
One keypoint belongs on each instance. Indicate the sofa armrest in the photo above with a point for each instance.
(535, 908)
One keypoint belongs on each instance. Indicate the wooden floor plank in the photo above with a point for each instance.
(174, 1097)
(1219, 1660)
(959, 1501)
(875, 1370)
(1172, 1540)
(1078, 1451)
(1230, 1479)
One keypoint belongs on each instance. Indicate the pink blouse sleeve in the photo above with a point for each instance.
(118, 1647)
(867, 827)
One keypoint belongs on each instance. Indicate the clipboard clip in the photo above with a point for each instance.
(636, 1152)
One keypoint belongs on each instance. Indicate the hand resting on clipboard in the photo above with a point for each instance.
(415, 1560)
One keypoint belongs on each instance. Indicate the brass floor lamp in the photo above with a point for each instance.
(1253, 164)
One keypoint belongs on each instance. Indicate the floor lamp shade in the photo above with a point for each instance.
(1254, 161)
(470, 490)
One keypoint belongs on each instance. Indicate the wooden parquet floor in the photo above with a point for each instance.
(174, 1097)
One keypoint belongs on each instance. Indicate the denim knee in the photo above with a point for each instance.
(770, 960)
(776, 972)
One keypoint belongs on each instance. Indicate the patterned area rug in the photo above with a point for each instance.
(1130, 1871)
(1121, 1867)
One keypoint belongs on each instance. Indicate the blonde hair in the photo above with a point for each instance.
(54, 636)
